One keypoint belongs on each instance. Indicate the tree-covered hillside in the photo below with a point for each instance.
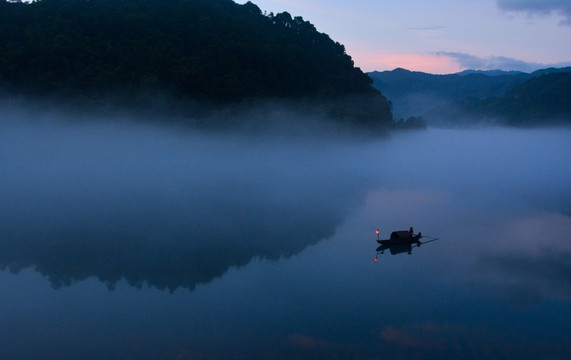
(213, 51)
(542, 100)
(469, 97)
(416, 93)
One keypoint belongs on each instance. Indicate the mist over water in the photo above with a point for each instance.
(265, 244)
(125, 198)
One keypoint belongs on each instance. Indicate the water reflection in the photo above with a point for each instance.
(526, 260)
(164, 208)
(193, 250)
(525, 279)
(399, 248)
(173, 210)
(402, 242)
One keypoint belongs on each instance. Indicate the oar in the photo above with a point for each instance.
(426, 242)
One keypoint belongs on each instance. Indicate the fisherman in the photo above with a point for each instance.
(411, 231)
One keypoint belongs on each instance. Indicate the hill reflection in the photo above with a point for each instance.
(167, 251)
(164, 209)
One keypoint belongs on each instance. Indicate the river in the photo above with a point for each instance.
(122, 241)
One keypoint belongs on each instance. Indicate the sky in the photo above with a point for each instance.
(441, 36)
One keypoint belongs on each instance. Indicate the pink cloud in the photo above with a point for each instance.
(398, 337)
(307, 342)
(426, 336)
(430, 63)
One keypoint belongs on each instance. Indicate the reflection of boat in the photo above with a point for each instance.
(400, 242)
(396, 248)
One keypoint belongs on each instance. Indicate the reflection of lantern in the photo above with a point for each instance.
(375, 260)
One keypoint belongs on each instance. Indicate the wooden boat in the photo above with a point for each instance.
(401, 237)
(401, 242)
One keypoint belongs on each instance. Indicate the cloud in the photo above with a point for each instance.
(430, 63)
(541, 7)
(427, 28)
(473, 62)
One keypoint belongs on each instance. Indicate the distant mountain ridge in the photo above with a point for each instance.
(490, 72)
(455, 98)
(544, 99)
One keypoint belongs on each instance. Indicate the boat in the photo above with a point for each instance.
(401, 237)
(401, 242)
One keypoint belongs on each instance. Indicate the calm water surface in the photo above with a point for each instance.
(133, 242)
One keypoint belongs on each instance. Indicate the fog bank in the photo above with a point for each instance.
(171, 207)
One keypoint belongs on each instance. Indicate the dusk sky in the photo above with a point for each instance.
(442, 36)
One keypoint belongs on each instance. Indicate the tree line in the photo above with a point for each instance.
(204, 50)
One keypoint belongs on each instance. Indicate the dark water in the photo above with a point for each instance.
(136, 242)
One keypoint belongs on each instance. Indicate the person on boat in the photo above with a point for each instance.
(411, 231)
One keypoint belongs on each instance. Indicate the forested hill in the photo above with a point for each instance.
(543, 100)
(418, 93)
(511, 98)
(213, 51)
